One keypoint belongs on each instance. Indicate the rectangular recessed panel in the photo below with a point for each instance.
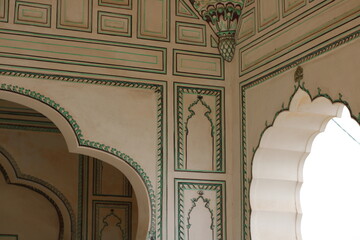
(197, 64)
(193, 34)
(114, 24)
(33, 14)
(119, 56)
(268, 13)
(74, 14)
(192, 196)
(192, 128)
(300, 33)
(153, 19)
(290, 6)
(112, 219)
(4, 10)
(116, 3)
(247, 26)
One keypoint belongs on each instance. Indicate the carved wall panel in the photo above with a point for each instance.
(293, 31)
(33, 14)
(192, 34)
(75, 14)
(200, 128)
(150, 25)
(114, 24)
(184, 10)
(108, 56)
(247, 26)
(112, 220)
(127, 4)
(196, 64)
(200, 210)
(290, 6)
(4, 10)
(268, 13)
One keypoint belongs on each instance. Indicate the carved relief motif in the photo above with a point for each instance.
(223, 17)
(200, 209)
(200, 229)
(112, 228)
(200, 129)
(112, 220)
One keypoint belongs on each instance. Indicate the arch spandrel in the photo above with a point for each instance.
(58, 106)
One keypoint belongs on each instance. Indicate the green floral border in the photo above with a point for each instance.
(181, 186)
(156, 197)
(218, 128)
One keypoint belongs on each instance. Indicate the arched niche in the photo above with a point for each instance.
(41, 192)
(278, 166)
(74, 140)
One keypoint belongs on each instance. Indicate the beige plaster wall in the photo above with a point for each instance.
(130, 75)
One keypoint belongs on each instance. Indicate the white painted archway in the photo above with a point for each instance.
(139, 187)
(278, 166)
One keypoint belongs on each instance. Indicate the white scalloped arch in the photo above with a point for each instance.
(141, 192)
(278, 166)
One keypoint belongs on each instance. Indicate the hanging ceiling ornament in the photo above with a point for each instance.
(223, 17)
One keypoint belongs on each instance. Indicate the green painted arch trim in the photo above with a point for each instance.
(246, 210)
(91, 144)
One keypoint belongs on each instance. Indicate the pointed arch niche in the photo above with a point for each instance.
(74, 140)
(278, 166)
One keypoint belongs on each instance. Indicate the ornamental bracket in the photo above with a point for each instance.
(223, 17)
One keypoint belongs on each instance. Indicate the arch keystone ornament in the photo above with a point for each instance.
(223, 17)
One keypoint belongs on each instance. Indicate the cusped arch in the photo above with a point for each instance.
(278, 165)
(77, 144)
(14, 176)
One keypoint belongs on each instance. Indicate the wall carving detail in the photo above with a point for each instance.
(200, 209)
(199, 125)
(112, 220)
(223, 17)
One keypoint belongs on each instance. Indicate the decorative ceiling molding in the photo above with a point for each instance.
(223, 17)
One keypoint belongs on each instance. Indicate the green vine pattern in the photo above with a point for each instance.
(155, 198)
(192, 113)
(206, 186)
(182, 125)
(207, 203)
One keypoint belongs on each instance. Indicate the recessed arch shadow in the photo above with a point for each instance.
(14, 176)
(278, 164)
(76, 143)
